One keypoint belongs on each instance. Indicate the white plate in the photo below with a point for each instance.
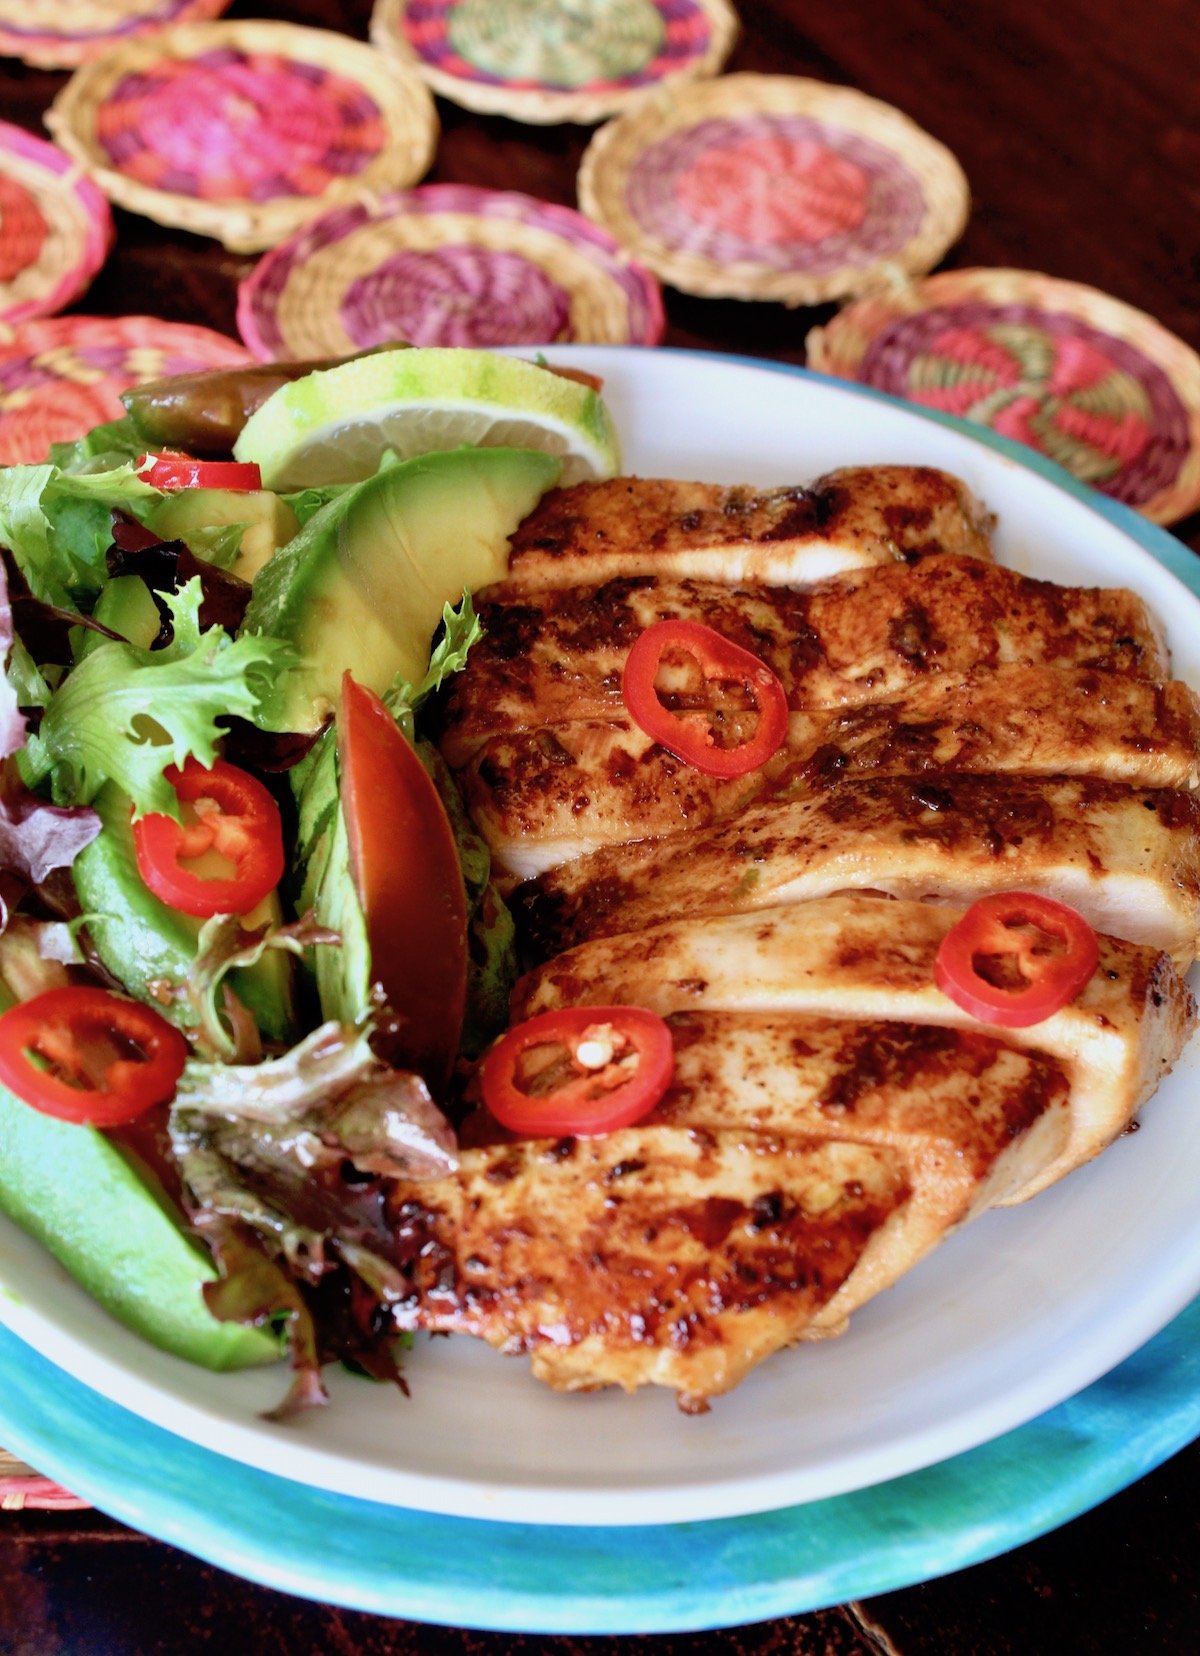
(1019, 1311)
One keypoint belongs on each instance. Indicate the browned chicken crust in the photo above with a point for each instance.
(796, 1167)
(542, 797)
(857, 516)
(1128, 859)
(553, 657)
(855, 956)
(653, 1254)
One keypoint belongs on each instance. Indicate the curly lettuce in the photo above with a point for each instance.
(124, 714)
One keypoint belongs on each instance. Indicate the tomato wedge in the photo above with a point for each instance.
(180, 471)
(602, 1067)
(405, 866)
(690, 738)
(236, 827)
(85, 1055)
(1015, 958)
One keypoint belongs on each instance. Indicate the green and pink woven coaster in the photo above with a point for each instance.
(537, 61)
(1094, 384)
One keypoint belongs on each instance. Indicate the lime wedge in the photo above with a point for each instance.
(334, 426)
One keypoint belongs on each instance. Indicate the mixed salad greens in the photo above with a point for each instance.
(248, 935)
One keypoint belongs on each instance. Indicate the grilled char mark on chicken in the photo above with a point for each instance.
(850, 519)
(855, 956)
(553, 657)
(648, 1255)
(796, 1167)
(1128, 859)
(542, 797)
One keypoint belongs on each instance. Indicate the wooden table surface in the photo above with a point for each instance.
(1076, 125)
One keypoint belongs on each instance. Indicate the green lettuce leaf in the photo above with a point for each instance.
(461, 630)
(124, 714)
(104, 447)
(58, 525)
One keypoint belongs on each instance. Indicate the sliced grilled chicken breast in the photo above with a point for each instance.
(796, 1167)
(552, 657)
(972, 1118)
(854, 517)
(542, 797)
(853, 956)
(1127, 859)
(654, 1254)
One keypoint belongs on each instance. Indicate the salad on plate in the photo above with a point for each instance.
(451, 886)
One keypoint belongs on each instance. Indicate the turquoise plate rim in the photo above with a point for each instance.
(649, 1579)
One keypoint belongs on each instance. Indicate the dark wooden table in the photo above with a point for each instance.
(1076, 124)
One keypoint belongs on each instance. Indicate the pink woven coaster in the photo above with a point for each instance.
(446, 264)
(55, 227)
(58, 34)
(244, 130)
(1096, 385)
(773, 187)
(59, 377)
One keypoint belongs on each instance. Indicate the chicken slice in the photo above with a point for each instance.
(973, 1118)
(651, 1255)
(552, 657)
(687, 1248)
(1128, 859)
(854, 956)
(854, 517)
(542, 797)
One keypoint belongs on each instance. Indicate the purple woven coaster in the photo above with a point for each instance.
(446, 264)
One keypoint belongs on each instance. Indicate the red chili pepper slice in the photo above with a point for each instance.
(1015, 958)
(180, 471)
(691, 738)
(235, 821)
(602, 1067)
(85, 1055)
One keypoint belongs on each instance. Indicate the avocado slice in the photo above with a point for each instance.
(74, 1191)
(364, 583)
(149, 946)
(127, 605)
(268, 523)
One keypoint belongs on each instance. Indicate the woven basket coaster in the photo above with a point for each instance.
(58, 34)
(446, 264)
(21, 1487)
(577, 60)
(772, 187)
(243, 130)
(1097, 386)
(61, 376)
(55, 227)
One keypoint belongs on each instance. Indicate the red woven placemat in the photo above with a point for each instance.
(61, 376)
(21, 1487)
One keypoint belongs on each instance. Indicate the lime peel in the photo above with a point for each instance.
(334, 426)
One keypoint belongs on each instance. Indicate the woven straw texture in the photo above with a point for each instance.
(55, 227)
(446, 264)
(1097, 386)
(21, 1486)
(543, 63)
(243, 131)
(61, 376)
(773, 187)
(59, 34)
